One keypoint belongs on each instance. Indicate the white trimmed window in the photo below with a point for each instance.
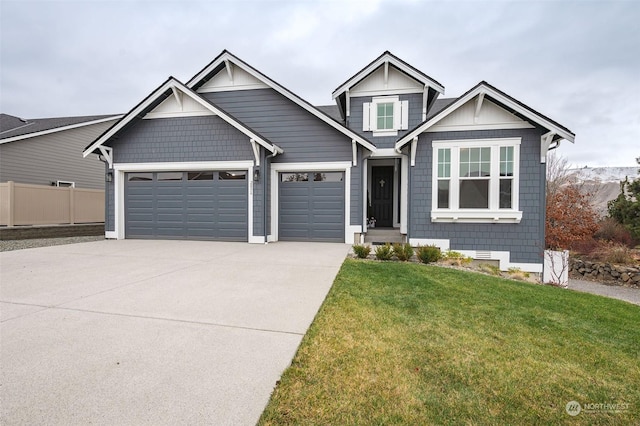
(385, 115)
(476, 180)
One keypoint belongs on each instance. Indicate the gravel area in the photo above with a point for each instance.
(10, 245)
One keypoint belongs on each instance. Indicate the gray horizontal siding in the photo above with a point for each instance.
(206, 138)
(301, 135)
(355, 119)
(57, 156)
(525, 240)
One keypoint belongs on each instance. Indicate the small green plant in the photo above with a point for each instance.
(490, 269)
(429, 254)
(403, 252)
(384, 252)
(362, 251)
(517, 274)
(456, 258)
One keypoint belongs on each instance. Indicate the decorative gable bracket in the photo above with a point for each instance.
(545, 143)
(107, 153)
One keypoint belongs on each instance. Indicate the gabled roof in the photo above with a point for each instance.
(220, 62)
(496, 96)
(170, 88)
(331, 110)
(396, 62)
(14, 128)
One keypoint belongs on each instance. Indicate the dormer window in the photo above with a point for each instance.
(385, 115)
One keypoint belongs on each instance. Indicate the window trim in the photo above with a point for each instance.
(493, 214)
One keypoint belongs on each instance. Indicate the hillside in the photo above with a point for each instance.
(603, 182)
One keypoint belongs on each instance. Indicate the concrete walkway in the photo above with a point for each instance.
(154, 332)
(631, 295)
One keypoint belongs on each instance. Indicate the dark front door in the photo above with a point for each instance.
(382, 195)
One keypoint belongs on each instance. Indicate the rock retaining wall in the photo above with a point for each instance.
(612, 274)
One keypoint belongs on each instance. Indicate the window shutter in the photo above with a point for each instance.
(366, 116)
(404, 112)
(397, 115)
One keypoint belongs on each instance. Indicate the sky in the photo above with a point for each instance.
(577, 62)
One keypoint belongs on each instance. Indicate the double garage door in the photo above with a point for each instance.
(199, 205)
(212, 205)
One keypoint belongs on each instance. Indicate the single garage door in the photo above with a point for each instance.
(198, 205)
(311, 206)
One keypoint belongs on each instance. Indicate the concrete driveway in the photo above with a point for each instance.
(154, 332)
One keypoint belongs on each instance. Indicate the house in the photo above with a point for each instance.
(48, 151)
(233, 155)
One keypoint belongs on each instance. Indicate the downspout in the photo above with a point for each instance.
(107, 188)
(266, 168)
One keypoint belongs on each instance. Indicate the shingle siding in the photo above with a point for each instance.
(207, 138)
(525, 240)
(355, 119)
(303, 137)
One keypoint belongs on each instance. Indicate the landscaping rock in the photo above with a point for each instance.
(605, 272)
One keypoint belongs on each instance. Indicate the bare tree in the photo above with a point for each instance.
(558, 174)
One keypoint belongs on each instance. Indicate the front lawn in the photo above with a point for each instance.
(412, 344)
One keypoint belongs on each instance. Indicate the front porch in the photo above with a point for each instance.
(380, 236)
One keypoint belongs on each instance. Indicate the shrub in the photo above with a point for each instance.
(456, 258)
(518, 274)
(586, 246)
(570, 217)
(613, 253)
(490, 269)
(429, 254)
(610, 230)
(361, 251)
(403, 251)
(384, 252)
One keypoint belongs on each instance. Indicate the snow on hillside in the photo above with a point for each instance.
(603, 183)
(605, 174)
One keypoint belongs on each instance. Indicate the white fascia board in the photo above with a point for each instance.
(284, 92)
(381, 61)
(183, 166)
(175, 85)
(486, 91)
(60, 129)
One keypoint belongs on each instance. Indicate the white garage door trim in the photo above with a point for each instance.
(119, 178)
(337, 166)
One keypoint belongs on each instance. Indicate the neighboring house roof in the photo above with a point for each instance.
(13, 128)
(396, 62)
(226, 57)
(332, 111)
(171, 87)
(485, 89)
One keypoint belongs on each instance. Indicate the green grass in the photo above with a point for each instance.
(416, 344)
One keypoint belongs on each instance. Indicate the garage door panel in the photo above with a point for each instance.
(190, 208)
(311, 210)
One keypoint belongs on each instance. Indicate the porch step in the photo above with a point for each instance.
(379, 236)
